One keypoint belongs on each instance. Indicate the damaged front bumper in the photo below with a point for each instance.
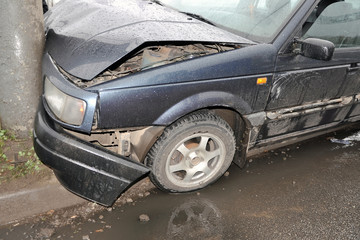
(87, 170)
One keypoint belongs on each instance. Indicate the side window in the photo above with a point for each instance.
(336, 21)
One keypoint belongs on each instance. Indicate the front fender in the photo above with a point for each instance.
(200, 101)
(161, 105)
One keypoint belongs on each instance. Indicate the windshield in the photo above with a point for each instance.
(258, 20)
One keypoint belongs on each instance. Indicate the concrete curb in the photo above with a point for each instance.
(37, 199)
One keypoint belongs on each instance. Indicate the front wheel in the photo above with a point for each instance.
(191, 153)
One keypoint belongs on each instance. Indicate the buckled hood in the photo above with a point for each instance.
(87, 36)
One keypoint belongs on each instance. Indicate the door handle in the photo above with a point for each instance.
(353, 68)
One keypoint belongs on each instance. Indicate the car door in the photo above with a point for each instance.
(309, 94)
(349, 47)
(342, 20)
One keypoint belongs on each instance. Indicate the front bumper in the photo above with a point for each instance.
(87, 170)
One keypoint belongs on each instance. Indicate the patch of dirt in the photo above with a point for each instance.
(24, 182)
(15, 172)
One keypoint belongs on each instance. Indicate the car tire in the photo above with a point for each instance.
(192, 153)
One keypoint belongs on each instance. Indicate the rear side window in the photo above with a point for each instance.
(335, 21)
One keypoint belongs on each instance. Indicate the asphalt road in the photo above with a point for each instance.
(305, 191)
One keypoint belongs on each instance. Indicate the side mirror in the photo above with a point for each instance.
(317, 48)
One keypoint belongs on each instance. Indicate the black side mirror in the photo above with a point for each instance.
(317, 48)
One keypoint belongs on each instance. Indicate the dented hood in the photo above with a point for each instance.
(85, 37)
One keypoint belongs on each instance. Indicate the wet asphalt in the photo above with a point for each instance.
(309, 190)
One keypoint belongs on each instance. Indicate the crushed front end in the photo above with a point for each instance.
(85, 169)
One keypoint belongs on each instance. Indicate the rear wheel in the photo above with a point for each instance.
(192, 153)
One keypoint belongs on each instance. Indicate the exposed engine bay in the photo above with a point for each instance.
(150, 57)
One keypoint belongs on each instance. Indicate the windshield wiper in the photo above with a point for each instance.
(199, 17)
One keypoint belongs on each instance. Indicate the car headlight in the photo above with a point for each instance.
(67, 108)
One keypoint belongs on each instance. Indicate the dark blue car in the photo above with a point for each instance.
(180, 89)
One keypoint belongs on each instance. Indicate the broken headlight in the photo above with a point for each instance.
(67, 108)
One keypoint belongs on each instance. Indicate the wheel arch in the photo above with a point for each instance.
(203, 100)
(241, 130)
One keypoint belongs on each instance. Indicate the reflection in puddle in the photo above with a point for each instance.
(347, 141)
(195, 219)
(354, 137)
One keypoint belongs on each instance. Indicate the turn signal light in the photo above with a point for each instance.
(261, 81)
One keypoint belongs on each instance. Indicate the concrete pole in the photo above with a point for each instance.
(21, 47)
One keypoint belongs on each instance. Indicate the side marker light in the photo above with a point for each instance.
(261, 81)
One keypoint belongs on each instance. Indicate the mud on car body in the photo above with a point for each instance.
(177, 89)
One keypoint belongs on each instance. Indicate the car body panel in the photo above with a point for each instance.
(201, 83)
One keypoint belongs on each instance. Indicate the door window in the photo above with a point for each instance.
(335, 21)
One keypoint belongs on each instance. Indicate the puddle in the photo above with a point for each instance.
(347, 141)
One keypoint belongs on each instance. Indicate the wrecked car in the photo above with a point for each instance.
(177, 90)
